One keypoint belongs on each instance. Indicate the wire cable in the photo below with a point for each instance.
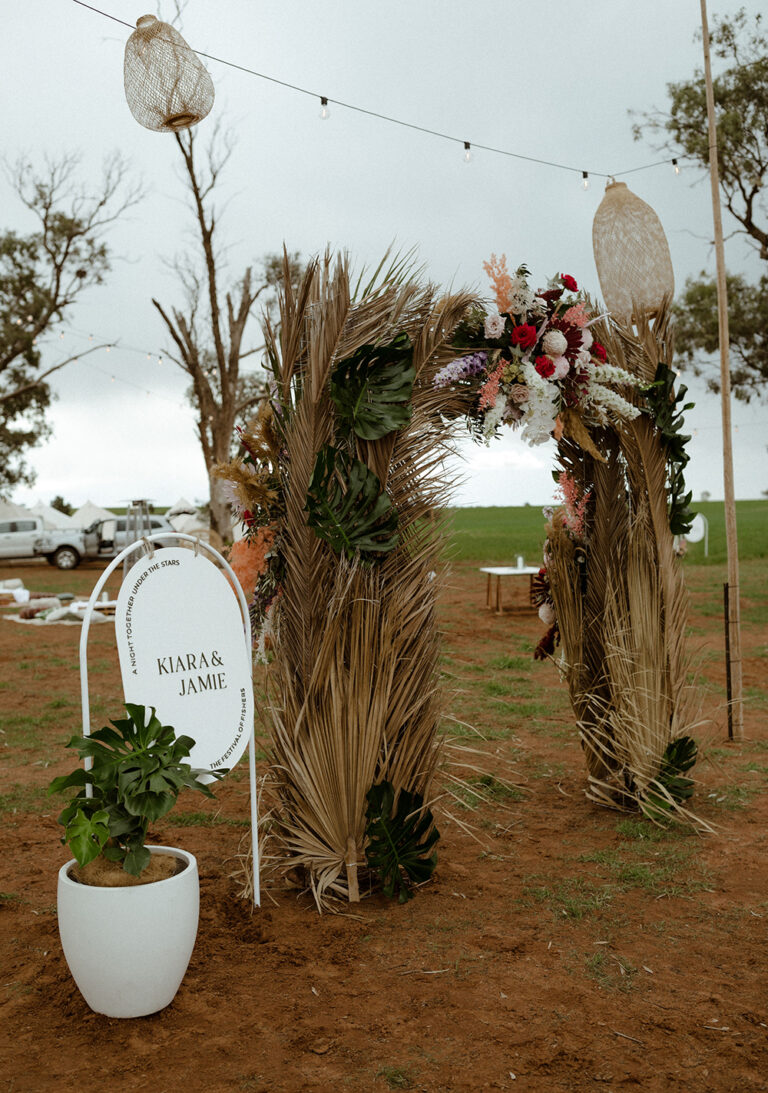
(399, 121)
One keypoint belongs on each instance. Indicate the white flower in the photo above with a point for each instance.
(540, 414)
(611, 373)
(562, 368)
(584, 358)
(586, 338)
(494, 326)
(494, 415)
(547, 614)
(231, 496)
(539, 305)
(555, 343)
(603, 398)
(520, 296)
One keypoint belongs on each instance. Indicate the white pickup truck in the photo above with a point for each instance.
(19, 536)
(103, 539)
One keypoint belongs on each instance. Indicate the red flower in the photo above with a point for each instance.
(569, 282)
(545, 366)
(598, 351)
(523, 335)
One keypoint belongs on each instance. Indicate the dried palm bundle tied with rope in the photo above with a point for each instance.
(345, 465)
(166, 85)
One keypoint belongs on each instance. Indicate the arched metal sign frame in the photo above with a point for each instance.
(146, 543)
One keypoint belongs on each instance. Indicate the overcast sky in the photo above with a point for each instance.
(553, 80)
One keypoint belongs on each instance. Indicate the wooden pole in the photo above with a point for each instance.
(733, 620)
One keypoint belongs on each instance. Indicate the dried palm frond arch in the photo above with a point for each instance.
(356, 562)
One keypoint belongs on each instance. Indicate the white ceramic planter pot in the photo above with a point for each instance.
(128, 948)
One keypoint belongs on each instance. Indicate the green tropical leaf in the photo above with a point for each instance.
(137, 774)
(680, 756)
(372, 389)
(136, 860)
(399, 839)
(347, 507)
(87, 834)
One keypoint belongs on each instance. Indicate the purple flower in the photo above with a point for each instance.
(460, 368)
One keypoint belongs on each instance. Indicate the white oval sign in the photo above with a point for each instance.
(182, 650)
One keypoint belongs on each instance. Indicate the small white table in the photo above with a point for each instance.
(499, 571)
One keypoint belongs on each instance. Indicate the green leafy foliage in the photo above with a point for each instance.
(347, 506)
(137, 774)
(399, 839)
(697, 333)
(664, 403)
(740, 91)
(372, 389)
(679, 757)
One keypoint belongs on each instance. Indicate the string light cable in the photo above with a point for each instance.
(466, 146)
(120, 348)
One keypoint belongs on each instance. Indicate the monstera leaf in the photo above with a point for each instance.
(347, 506)
(372, 389)
(679, 757)
(399, 842)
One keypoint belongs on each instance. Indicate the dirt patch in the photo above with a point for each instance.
(559, 946)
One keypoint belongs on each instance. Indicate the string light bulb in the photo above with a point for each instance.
(467, 151)
(585, 179)
(676, 165)
(324, 111)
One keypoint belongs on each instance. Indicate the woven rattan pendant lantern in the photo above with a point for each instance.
(166, 86)
(631, 254)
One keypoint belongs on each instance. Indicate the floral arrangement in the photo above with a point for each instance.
(571, 517)
(535, 363)
(252, 486)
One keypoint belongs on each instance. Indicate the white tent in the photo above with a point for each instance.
(88, 513)
(189, 523)
(51, 517)
(182, 506)
(10, 511)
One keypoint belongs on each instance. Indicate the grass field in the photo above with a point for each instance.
(496, 536)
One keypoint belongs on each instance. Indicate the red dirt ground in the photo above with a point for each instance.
(519, 967)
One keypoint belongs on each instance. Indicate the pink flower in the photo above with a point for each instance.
(574, 503)
(562, 368)
(490, 389)
(586, 339)
(519, 393)
(576, 315)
